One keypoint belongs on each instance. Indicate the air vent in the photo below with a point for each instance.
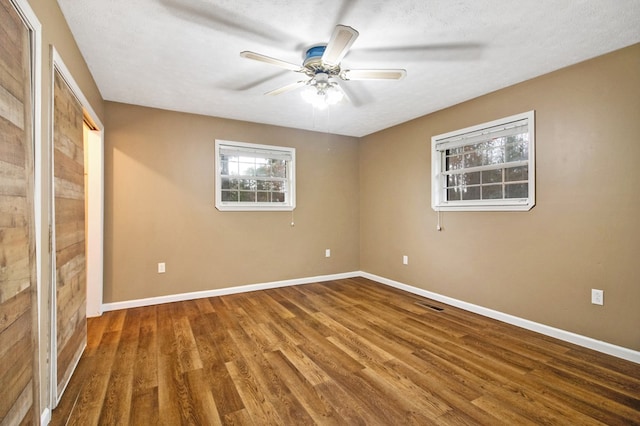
(432, 307)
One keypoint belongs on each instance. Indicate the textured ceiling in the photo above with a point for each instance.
(183, 55)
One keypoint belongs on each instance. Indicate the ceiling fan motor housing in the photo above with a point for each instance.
(313, 62)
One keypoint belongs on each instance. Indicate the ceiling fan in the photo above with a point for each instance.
(322, 70)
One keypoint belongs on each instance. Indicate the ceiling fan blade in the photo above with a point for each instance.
(270, 60)
(339, 44)
(287, 88)
(355, 99)
(248, 85)
(210, 15)
(374, 74)
(424, 52)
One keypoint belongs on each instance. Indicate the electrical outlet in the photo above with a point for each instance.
(161, 268)
(597, 296)
(327, 253)
(405, 260)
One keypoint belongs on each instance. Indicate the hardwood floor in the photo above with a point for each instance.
(341, 352)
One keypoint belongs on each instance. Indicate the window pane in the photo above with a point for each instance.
(517, 190)
(263, 170)
(473, 159)
(516, 173)
(229, 183)
(263, 185)
(492, 176)
(224, 167)
(247, 169)
(473, 147)
(493, 155)
(454, 194)
(454, 162)
(471, 193)
(517, 149)
(229, 196)
(229, 166)
(453, 180)
(278, 168)
(491, 192)
(471, 178)
(247, 184)
(277, 197)
(263, 197)
(246, 196)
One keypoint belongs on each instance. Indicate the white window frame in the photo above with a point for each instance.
(262, 151)
(473, 135)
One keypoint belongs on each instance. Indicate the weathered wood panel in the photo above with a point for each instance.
(68, 171)
(18, 354)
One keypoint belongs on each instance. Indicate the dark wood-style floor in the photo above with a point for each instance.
(340, 352)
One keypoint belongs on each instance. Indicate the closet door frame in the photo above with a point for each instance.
(95, 215)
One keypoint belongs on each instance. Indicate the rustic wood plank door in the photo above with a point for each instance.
(18, 310)
(70, 278)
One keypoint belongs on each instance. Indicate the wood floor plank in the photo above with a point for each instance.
(262, 411)
(318, 408)
(225, 393)
(200, 389)
(344, 352)
(144, 408)
(288, 407)
(89, 396)
(176, 405)
(117, 401)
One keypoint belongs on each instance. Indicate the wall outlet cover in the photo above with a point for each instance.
(597, 296)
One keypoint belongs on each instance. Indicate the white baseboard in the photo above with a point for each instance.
(223, 291)
(567, 336)
(45, 417)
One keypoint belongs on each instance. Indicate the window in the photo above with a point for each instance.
(254, 177)
(485, 167)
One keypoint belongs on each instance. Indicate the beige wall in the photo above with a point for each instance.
(159, 197)
(583, 233)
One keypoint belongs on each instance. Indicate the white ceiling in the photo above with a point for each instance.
(183, 55)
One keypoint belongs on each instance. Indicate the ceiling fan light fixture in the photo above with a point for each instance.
(324, 74)
(321, 97)
(333, 95)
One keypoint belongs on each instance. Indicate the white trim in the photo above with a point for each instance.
(64, 71)
(73, 370)
(45, 416)
(223, 291)
(53, 348)
(567, 336)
